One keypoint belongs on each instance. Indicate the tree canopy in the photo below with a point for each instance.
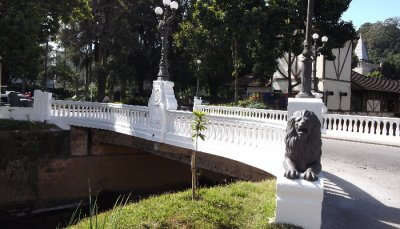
(25, 25)
(383, 42)
(115, 43)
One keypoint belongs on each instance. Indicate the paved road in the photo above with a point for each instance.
(362, 185)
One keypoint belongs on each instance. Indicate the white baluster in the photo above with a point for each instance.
(378, 127)
(363, 123)
(346, 123)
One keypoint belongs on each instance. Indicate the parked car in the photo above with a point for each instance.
(17, 99)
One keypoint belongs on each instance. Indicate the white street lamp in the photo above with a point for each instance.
(158, 10)
(324, 39)
(166, 2)
(174, 5)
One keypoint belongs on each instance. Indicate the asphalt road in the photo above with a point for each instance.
(362, 188)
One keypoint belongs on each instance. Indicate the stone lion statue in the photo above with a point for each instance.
(303, 146)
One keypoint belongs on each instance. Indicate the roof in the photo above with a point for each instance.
(361, 50)
(362, 82)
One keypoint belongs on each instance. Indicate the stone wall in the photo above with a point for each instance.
(22, 154)
(42, 169)
(38, 170)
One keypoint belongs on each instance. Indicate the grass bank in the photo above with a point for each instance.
(237, 205)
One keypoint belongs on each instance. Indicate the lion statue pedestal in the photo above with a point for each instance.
(299, 202)
(300, 187)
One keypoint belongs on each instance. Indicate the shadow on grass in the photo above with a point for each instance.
(347, 206)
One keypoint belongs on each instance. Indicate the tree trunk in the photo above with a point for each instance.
(101, 86)
(194, 174)
(75, 80)
(101, 74)
(236, 88)
(123, 90)
(235, 68)
(289, 73)
(87, 79)
(46, 57)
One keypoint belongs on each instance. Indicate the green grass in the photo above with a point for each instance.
(238, 205)
(7, 124)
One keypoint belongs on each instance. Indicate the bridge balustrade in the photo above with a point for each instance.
(276, 116)
(371, 129)
(133, 120)
(248, 141)
(362, 128)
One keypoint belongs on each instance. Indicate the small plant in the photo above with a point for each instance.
(198, 126)
(93, 219)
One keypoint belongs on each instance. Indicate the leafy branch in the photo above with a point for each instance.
(198, 127)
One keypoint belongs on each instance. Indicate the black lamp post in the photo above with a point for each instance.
(316, 52)
(167, 16)
(307, 61)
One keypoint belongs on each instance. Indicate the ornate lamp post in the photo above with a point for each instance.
(166, 17)
(307, 61)
(316, 52)
(198, 62)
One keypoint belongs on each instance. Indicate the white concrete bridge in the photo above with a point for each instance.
(250, 136)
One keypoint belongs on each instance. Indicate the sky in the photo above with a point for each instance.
(362, 11)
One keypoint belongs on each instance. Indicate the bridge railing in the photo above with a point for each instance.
(276, 116)
(245, 140)
(362, 128)
(371, 129)
(124, 118)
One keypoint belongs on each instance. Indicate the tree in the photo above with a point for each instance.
(240, 28)
(25, 26)
(375, 74)
(117, 44)
(383, 42)
(381, 38)
(198, 126)
(391, 67)
(255, 34)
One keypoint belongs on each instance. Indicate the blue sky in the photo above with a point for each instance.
(361, 11)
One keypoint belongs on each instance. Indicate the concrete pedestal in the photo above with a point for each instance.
(312, 104)
(299, 202)
(197, 101)
(161, 100)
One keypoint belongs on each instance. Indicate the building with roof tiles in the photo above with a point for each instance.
(344, 89)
